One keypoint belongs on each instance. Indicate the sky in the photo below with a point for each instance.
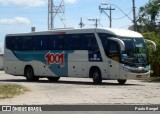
(17, 16)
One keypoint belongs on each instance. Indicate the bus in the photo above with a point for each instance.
(97, 53)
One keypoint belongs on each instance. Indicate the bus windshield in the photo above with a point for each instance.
(135, 52)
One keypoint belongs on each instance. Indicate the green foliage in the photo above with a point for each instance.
(9, 91)
(154, 56)
(149, 16)
(154, 79)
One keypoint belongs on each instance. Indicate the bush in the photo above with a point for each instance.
(154, 56)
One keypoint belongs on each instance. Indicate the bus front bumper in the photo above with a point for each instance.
(135, 76)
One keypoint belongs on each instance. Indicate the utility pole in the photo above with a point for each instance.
(96, 21)
(81, 23)
(134, 16)
(109, 16)
(110, 9)
(55, 11)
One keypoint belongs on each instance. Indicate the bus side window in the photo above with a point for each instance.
(104, 39)
(41, 43)
(89, 42)
(81, 42)
(13, 44)
(73, 42)
(56, 42)
(10, 43)
(114, 51)
(92, 44)
(27, 43)
(92, 47)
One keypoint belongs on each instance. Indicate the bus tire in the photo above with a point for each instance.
(121, 82)
(96, 75)
(29, 74)
(53, 79)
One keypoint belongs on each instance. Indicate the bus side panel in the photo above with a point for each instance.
(11, 64)
(15, 62)
(78, 64)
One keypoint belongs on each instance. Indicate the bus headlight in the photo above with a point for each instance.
(139, 70)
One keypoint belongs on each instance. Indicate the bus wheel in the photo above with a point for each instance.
(96, 75)
(53, 79)
(122, 82)
(29, 74)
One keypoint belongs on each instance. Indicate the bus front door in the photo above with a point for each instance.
(114, 55)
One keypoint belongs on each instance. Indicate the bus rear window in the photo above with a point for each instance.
(12, 43)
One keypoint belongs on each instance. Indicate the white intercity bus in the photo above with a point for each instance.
(98, 53)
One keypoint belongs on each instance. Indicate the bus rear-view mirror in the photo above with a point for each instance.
(120, 42)
(153, 45)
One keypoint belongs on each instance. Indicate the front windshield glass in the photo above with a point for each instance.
(135, 51)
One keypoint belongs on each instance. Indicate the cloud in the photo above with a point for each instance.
(71, 1)
(23, 3)
(30, 3)
(15, 21)
(66, 1)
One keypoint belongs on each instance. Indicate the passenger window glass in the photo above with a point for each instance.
(56, 42)
(10, 43)
(92, 44)
(81, 42)
(13, 43)
(73, 42)
(41, 42)
(27, 43)
(113, 49)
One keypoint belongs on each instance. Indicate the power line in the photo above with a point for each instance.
(100, 24)
(123, 16)
(109, 16)
(124, 26)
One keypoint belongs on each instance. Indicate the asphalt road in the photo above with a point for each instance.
(82, 91)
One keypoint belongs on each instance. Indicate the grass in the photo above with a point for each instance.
(10, 90)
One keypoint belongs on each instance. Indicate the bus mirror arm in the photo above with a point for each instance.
(120, 42)
(153, 45)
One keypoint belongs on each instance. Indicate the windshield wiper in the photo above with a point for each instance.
(145, 62)
(135, 58)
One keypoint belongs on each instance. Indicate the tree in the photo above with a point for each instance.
(149, 16)
(154, 56)
(149, 25)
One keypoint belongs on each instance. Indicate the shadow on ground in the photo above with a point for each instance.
(69, 82)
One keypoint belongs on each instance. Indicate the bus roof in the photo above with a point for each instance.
(121, 32)
(113, 31)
